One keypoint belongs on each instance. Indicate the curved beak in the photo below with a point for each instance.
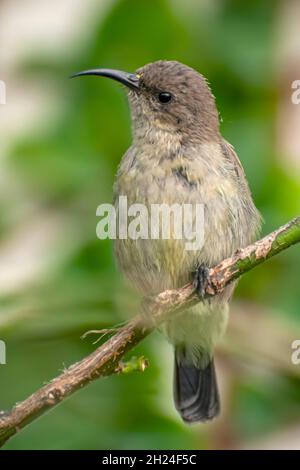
(131, 80)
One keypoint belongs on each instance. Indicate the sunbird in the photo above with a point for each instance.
(178, 156)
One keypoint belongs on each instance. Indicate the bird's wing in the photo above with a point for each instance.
(231, 155)
(255, 218)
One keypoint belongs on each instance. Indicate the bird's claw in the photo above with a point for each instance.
(201, 280)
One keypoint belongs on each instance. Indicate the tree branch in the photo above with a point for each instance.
(106, 359)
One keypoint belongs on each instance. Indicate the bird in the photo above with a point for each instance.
(178, 156)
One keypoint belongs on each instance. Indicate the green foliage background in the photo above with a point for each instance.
(69, 165)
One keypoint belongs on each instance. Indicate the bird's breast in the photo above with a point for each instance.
(192, 178)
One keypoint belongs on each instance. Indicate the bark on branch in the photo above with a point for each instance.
(106, 359)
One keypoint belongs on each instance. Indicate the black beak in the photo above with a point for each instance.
(131, 80)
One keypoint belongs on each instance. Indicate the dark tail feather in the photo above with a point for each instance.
(195, 391)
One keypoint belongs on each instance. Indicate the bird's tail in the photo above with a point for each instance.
(195, 390)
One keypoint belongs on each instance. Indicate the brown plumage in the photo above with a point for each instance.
(179, 156)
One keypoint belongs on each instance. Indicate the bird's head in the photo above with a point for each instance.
(168, 97)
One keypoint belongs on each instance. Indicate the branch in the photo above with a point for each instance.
(106, 359)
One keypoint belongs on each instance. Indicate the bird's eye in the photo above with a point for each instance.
(164, 97)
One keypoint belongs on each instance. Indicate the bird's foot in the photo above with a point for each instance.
(201, 280)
